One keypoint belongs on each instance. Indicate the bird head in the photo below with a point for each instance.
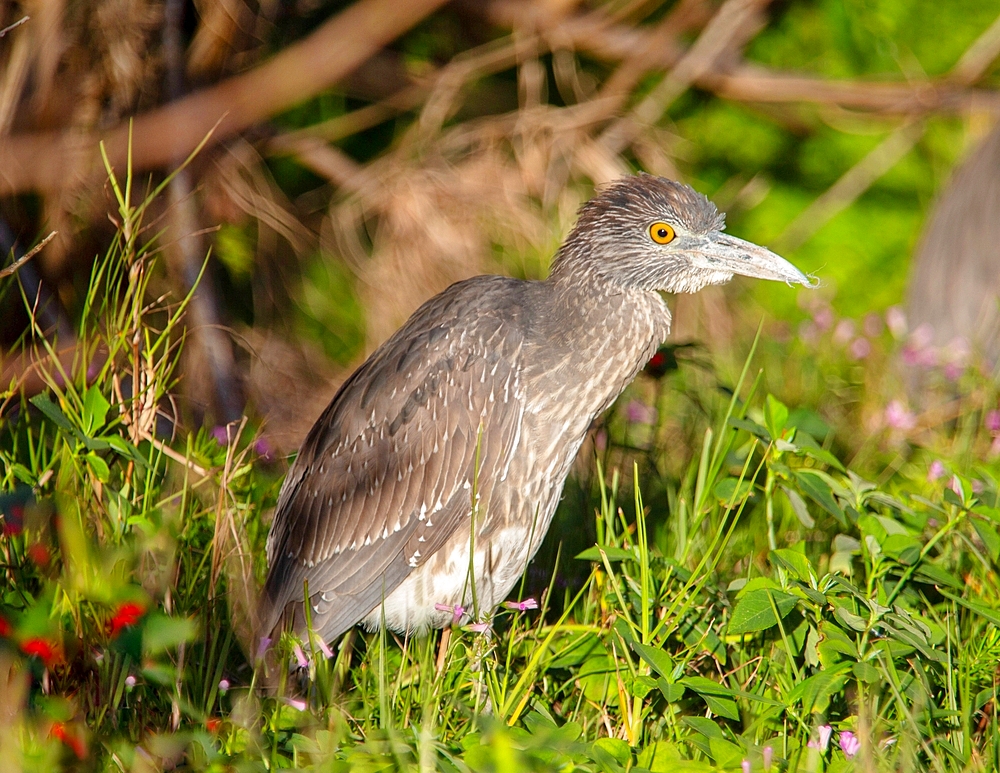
(657, 234)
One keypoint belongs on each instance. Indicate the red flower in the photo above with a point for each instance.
(13, 520)
(128, 614)
(71, 737)
(39, 554)
(5, 627)
(45, 650)
(213, 724)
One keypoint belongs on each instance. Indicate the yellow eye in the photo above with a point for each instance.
(661, 233)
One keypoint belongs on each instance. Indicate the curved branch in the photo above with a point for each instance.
(167, 135)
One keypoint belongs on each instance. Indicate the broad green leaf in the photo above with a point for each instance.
(814, 693)
(867, 673)
(754, 611)
(732, 491)
(726, 753)
(657, 658)
(775, 416)
(750, 426)
(95, 410)
(672, 692)
(795, 562)
(99, 466)
(799, 507)
(819, 491)
(617, 748)
(52, 411)
(990, 538)
(613, 554)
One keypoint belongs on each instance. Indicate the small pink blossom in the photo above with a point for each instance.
(521, 606)
(898, 416)
(768, 758)
(323, 647)
(844, 331)
(850, 744)
(953, 371)
(823, 318)
(296, 704)
(457, 611)
(895, 320)
(873, 325)
(129, 682)
(479, 627)
(935, 471)
(262, 647)
(956, 486)
(639, 413)
(860, 348)
(263, 448)
(745, 766)
(808, 332)
(224, 686)
(993, 421)
(825, 731)
(221, 434)
(300, 656)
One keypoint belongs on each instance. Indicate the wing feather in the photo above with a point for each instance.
(387, 470)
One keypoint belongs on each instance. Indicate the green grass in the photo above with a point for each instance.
(742, 592)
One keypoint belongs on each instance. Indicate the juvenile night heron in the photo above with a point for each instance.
(484, 394)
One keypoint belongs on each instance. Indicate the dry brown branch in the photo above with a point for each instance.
(15, 25)
(751, 83)
(13, 267)
(732, 26)
(46, 160)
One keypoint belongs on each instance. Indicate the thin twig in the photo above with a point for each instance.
(13, 267)
(15, 25)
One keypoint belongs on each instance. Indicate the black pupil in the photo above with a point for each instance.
(661, 232)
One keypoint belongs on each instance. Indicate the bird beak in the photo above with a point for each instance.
(722, 252)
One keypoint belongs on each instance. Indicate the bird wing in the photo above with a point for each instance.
(386, 475)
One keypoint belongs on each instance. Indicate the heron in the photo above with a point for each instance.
(431, 478)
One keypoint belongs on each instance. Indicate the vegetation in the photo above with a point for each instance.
(743, 601)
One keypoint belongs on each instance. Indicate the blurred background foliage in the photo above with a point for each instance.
(339, 163)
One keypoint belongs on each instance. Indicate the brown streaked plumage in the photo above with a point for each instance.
(377, 513)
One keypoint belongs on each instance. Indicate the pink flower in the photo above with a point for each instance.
(808, 332)
(823, 318)
(935, 471)
(129, 682)
(479, 627)
(844, 332)
(221, 434)
(768, 758)
(825, 731)
(521, 606)
(639, 413)
(296, 704)
(850, 744)
(859, 349)
(263, 448)
(745, 766)
(993, 421)
(895, 320)
(323, 647)
(457, 611)
(300, 656)
(262, 647)
(898, 416)
(873, 325)
(953, 371)
(224, 686)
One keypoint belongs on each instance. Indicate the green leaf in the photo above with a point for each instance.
(673, 692)
(613, 554)
(799, 507)
(95, 410)
(750, 426)
(52, 411)
(658, 659)
(754, 611)
(990, 538)
(161, 633)
(819, 491)
(726, 753)
(867, 673)
(99, 466)
(815, 692)
(795, 562)
(617, 748)
(775, 416)
(732, 491)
